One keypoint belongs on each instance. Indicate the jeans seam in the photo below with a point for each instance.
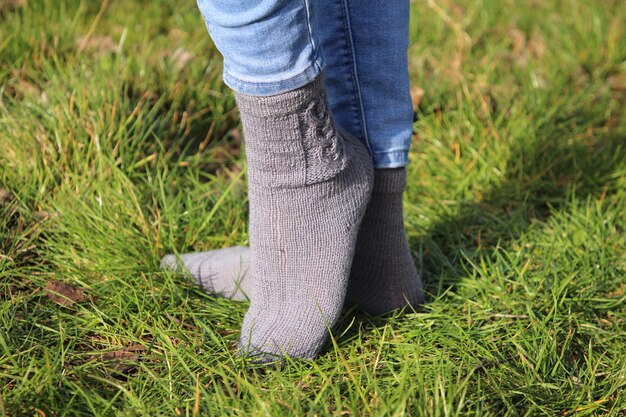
(314, 63)
(402, 149)
(236, 83)
(358, 94)
(391, 151)
(308, 25)
(391, 159)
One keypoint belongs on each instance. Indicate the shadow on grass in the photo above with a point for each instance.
(542, 176)
(573, 154)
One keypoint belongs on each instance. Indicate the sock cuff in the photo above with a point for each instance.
(389, 180)
(282, 104)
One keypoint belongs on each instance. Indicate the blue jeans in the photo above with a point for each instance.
(274, 46)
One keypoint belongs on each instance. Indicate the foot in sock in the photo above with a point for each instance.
(223, 272)
(308, 190)
(383, 277)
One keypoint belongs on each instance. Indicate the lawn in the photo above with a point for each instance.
(119, 143)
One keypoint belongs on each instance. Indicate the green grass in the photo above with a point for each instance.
(115, 151)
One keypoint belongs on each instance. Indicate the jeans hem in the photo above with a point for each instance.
(274, 87)
(394, 159)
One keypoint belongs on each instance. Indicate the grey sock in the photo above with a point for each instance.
(383, 276)
(223, 272)
(308, 190)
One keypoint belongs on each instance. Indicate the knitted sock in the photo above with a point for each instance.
(383, 276)
(222, 272)
(308, 190)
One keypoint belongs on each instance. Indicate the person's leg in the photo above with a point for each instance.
(364, 44)
(308, 190)
(308, 184)
(267, 45)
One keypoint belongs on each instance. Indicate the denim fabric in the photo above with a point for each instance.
(275, 46)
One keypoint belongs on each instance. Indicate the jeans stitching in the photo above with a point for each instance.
(355, 80)
(243, 86)
(308, 25)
